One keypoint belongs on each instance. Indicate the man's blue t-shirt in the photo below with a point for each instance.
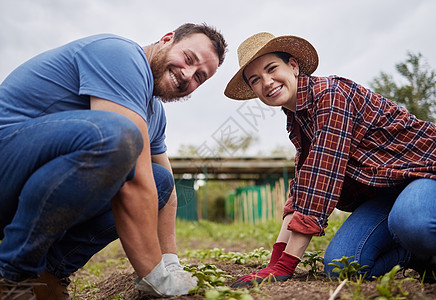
(105, 66)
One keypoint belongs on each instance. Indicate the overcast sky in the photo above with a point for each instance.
(354, 39)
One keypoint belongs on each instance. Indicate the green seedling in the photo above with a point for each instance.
(389, 288)
(209, 277)
(260, 255)
(211, 281)
(312, 259)
(356, 288)
(345, 268)
(222, 293)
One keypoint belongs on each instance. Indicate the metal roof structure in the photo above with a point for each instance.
(232, 168)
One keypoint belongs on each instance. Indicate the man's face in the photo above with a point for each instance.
(179, 68)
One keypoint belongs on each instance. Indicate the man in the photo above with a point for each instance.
(82, 148)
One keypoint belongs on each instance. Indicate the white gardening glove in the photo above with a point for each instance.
(172, 262)
(161, 283)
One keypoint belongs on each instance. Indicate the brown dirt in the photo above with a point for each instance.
(118, 284)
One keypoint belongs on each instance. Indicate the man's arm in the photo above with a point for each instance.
(135, 207)
(167, 215)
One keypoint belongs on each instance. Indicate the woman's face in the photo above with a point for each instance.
(273, 80)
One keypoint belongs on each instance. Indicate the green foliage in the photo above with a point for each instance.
(389, 288)
(211, 281)
(224, 147)
(260, 255)
(312, 259)
(418, 94)
(260, 234)
(98, 267)
(355, 288)
(209, 277)
(211, 198)
(228, 293)
(345, 268)
(81, 285)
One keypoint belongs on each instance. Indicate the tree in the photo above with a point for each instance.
(226, 147)
(418, 95)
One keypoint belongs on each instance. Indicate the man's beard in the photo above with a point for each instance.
(158, 67)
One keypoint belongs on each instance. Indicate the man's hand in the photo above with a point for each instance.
(172, 263)
(160, 282)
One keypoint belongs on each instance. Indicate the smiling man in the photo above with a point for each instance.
(83, 157)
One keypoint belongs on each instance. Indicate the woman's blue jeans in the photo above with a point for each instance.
(385, 231)
(58, 174)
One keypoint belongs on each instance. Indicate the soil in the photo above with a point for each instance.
(118, 284)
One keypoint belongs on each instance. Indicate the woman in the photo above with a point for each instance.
(356, 151)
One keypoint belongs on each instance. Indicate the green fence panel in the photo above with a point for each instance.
(257, 204)
(186, 200)
(230, 206)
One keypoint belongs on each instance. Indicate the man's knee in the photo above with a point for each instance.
(126, 136)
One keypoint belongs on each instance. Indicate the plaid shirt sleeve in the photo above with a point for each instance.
(317, 186)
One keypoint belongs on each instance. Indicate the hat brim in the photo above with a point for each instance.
(299, 48)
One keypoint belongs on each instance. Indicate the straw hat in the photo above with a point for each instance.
(263, 43)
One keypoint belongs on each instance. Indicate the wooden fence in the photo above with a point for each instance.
(258, 204)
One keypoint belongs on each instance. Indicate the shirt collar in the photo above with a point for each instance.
(303, 88)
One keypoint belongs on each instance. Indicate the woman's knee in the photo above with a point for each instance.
(332, 257)
(329, 256)
(412, 219)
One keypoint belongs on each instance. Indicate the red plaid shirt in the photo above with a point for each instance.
(350, 140)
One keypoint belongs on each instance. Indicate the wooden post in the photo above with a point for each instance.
(255, 207)
(270, 203)
(263, 198)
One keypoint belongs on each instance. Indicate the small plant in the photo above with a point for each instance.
(259, 255)
(211, 281)
(227, 293)
(356, 288)
(389, 288)
(209, 277)
(312, 259)
(345, 268)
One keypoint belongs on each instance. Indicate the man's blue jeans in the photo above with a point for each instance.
(58, 174)
(386, 230)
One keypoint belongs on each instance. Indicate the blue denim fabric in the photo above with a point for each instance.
(385, 230)
(58, 175)
(412, 220)
(79, 243)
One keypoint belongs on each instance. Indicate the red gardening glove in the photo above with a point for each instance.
(277, 251)
(281, 271)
